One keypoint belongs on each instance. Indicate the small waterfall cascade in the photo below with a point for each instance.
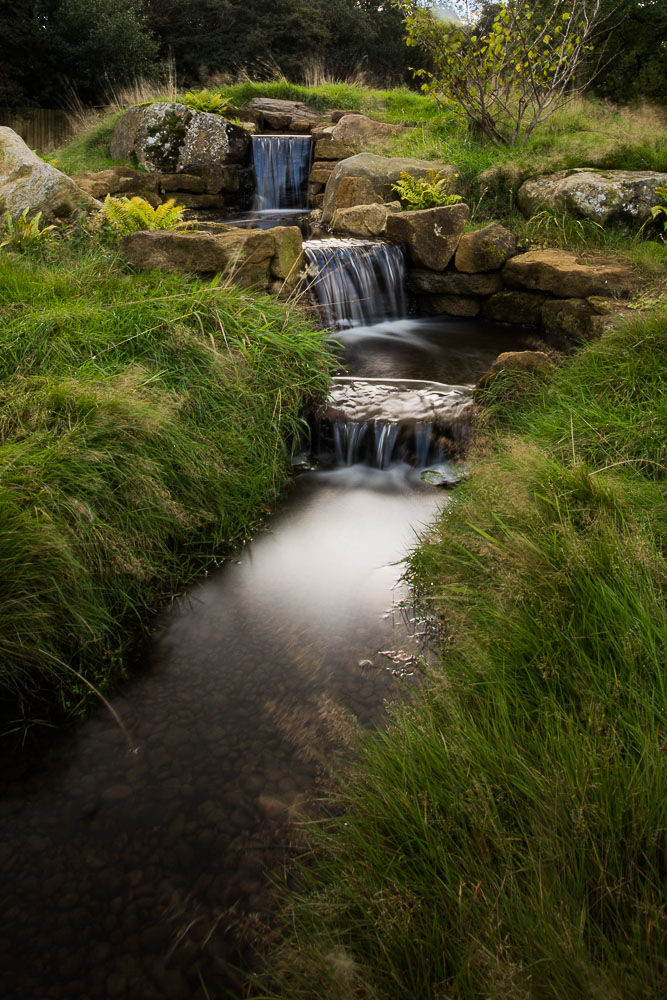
(282, 164)
(377, 422)
(356, 282)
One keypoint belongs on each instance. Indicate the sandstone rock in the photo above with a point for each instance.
(379, 173)
(207, 201)
(245, 253)
(485, 250)
(604, 196)
(431, 235)
(517, 361)
(450, 305)
(170, 138)
(502, 179)
(363, 220)
(514, 307)
(26, 181)
(358, 130)
(288, 258)
(562, 274)
(291, 109)
(568, 317)
(116, 181)
(179, 182)
(331, 149)
(320, 172)
(453, 283)
(274, 121)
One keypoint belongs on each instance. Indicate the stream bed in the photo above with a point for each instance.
(131, 867)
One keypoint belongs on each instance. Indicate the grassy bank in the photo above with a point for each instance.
(144, 429)
(504, 838)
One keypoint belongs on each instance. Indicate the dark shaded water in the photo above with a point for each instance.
(124, 872)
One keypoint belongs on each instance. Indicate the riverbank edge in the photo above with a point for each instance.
(504, 836)
(146, 429)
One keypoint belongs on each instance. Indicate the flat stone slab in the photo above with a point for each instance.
(402, 402)
(565, 275)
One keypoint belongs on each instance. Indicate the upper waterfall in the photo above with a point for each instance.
(282, 165)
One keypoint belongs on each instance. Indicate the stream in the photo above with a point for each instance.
(132, 870)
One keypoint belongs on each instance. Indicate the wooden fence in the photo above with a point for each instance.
(41, 128)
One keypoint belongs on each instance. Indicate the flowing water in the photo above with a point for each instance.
(282, 164)
(129, 871)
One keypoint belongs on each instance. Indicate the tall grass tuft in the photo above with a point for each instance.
(145, 423)
(504, 836)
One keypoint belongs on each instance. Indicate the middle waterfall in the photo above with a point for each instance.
(356, 282)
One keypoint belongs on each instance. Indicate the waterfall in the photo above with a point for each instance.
(356, 282)
(282, 165)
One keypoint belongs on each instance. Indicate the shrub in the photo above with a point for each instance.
(206, 100)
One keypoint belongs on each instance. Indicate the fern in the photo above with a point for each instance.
(425, 192)
(24, 233)
(206, 100)
(129, 215)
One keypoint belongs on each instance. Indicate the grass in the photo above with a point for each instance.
(504, 836)
(145, 429)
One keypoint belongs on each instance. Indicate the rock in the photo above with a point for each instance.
(608, 307)
(351, 191)
(116, 181)
(320, 172)
(431, 235)
(378, 173)
(502, 179)
(356, 130)
(290, 109)
(561, 273)
(605, 196)
(179, 182)
(363, 220)
(514, 307)
(208, 201)
(568, 317)
(450, 305)
(26, 181)
(328, 148)
(453, 283)
(289, 259)
(170, 138)
(246, 253)
(517, 361)
(485, 250)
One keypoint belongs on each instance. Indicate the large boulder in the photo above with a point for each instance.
(485, 250)
(368, 177)
(170, 138)
(245, 253)
(604, 196)
(26, 181)
(430, 235)
(563, 274)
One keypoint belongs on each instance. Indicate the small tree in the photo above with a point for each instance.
(513, 76)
